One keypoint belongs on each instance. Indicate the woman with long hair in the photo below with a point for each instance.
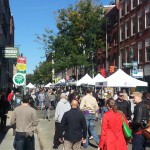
(112, 137)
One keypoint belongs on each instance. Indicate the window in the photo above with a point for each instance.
(126, 6)
(133, 49)
(133, 23)
(140, 1)
(123, 56)
(127, 58)
(121, 32)
(121, 10)
(132, 4)
(140, 56)
(147, 17)
(127, 27)
(139, 21)
(147, 50)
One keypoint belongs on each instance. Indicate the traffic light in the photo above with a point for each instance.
(111, 69)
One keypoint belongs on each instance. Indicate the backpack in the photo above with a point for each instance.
(18, 100)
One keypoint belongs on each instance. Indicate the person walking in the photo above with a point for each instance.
(112, 137)
(73, 128)
(47, 108)
(41, 98)
(10, 99)
(90, 108)
(62, 106)
(123, 105)
(17, 99)
(140, 120)
(24, 118)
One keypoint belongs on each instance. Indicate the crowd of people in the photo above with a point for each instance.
(75, 114)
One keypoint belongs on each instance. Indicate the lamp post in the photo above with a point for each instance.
(106, 50)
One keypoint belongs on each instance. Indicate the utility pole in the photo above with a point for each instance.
(106, 50)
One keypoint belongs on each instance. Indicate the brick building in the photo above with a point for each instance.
(128, 35)
(6, 39)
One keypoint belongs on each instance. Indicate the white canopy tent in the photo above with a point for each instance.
(30, 86)
(121, 79)
(48, 85)
(61, 81)
(85, 80)
(98, 78)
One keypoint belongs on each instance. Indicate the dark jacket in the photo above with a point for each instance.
(141, 115)
(73, 125)
(125, 107)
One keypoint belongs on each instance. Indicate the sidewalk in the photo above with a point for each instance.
(7, 141)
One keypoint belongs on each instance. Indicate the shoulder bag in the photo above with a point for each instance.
(126, 130)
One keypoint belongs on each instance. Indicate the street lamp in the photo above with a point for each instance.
(106, 49)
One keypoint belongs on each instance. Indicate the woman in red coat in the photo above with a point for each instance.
(112, 137)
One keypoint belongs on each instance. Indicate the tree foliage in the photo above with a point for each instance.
(80, 35)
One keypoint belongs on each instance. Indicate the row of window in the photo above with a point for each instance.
(126, 53)
(136, 21)
(124, 7)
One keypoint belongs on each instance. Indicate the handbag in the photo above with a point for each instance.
(146, 131)
(126, 130)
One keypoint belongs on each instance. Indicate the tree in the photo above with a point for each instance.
(79, 35)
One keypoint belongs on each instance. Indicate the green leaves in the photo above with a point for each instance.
(80, 35)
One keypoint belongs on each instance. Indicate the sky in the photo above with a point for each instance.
(32, 17)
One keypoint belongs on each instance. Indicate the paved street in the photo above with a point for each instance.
(44, 136)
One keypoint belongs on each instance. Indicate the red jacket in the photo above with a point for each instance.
(112, 137)
(10, 96)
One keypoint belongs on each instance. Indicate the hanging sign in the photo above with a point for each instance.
(19, 79)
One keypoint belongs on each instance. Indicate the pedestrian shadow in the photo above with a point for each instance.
(3, 133)
(92, 145)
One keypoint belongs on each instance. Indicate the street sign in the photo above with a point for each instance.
(21, 60)
(21, 67)
(127, 64)
(10, 52)
(137, 73)
(19, 71)
(19, 79)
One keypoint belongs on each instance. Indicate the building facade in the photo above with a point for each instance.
(128, 36)
(6, 40)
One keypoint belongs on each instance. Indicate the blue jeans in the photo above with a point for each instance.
(23, 142)
(90, 119)
(138, 142)
(41, 104)
(104, 109)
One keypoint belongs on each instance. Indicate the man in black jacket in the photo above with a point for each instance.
(73, 128)
(123, 105)
(141, 117)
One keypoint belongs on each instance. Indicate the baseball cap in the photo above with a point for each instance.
(138, 94)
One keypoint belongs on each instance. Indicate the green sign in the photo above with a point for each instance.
(10, 52)
(19, 79)
(127, 64)
(19, 71)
